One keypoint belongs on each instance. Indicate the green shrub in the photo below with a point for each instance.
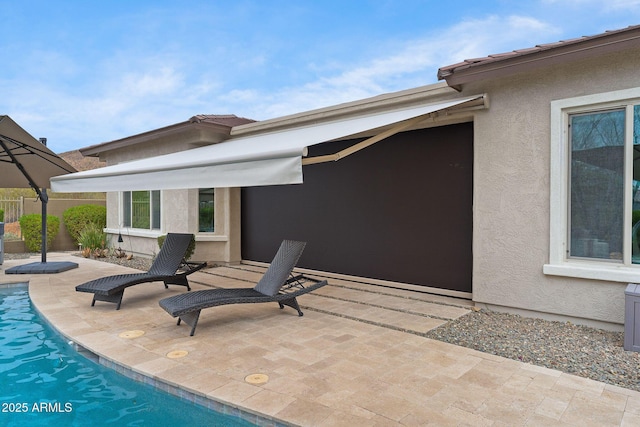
(1, 215)
(31, 226)
(92, 237)
(77, 218)
(190, 249)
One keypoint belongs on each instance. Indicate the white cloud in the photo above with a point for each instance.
(610, 5)
(617, 5)
(410, 64)
(96, 97)
(163, 81)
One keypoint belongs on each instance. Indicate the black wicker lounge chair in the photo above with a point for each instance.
(277, 285)
(164, 269)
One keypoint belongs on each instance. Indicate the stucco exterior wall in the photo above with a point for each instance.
(511, 190)
(179, 211)
(180, 215)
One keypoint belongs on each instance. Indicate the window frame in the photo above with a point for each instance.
(214, 210)
(153, 209)
(560, 263)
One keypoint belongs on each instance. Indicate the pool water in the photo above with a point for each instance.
(44, 381)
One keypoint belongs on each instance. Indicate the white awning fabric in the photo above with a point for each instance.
(263, 159)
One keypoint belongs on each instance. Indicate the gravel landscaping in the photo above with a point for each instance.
(579, 350)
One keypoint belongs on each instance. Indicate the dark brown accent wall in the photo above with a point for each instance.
(400, 210)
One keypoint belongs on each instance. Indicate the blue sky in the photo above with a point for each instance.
(86, 72)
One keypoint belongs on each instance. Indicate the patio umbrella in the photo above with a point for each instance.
(27, 163)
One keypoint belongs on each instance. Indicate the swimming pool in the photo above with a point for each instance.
(44, 381)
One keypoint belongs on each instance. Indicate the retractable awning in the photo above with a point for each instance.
(263, 159)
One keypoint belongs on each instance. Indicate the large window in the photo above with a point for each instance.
(141, 209)
(206, 210)
(595, 187)
(597, 184)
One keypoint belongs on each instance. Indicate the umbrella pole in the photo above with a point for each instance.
(42, 193)
(44, 199)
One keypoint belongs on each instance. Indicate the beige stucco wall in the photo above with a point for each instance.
(179, 212)
(511, 190)
(180, 215)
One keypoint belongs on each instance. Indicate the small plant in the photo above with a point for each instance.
(11, 236)
(12, 231)
(190, 249)
(31, 226)
(1, 215)
(93, 241)
(77, 218)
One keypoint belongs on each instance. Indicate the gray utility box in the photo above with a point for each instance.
(1, 242)
(632, 317)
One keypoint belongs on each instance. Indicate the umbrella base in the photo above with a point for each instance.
(42, 268)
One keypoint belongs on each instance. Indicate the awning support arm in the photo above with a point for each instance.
(401, 126)
(363, 144)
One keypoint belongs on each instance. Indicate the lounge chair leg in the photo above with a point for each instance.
(293, 303)
(190, 319)
(114, 298)
(180, 279)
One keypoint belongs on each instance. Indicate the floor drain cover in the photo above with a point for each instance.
(131, 334)
(256, 378)
(176, 354)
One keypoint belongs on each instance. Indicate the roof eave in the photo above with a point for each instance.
(419, 95)
(172, 130)
(528, 60)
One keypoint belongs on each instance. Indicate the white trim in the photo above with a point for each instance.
(135, 232)
(559, 264)
(594, 270)
(558, 185)
(151, 208)
(210, 237)
(598, 100)
(628, 185)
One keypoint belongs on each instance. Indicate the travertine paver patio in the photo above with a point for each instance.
(355, 359)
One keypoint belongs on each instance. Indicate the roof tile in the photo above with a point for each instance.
(475, 62)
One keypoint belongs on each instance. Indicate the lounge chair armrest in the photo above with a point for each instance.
(297, 282)
(192, 266)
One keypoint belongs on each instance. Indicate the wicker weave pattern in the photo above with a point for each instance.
(178, 305)
(171, 254)
(112, 284)
(274, 286)
(164, 269)
(281, 267)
